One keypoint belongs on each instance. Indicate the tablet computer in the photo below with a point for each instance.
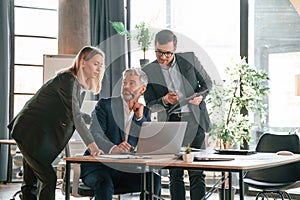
(234, 152)
(206, 158)
(212, 159)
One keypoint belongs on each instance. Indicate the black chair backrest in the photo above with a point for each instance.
(272, 143)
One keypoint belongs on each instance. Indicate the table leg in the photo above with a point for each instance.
(223, 186)
(143, 185)
(230, 184)
(151, 184)
(67, 186)
(241, 183)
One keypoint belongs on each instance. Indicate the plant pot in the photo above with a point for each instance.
(245, 145)
(188, 158)
(226, 197)
(143, 62)
(228, 146)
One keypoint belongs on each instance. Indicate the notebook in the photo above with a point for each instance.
(161, 137)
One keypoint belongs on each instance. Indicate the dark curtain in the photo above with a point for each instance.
(5, 50)
(113, 45)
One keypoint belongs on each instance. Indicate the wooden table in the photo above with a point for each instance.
(240, 164)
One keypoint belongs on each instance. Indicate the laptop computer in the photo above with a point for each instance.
(161, 138)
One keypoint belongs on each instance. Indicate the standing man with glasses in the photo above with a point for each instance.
(174, 78)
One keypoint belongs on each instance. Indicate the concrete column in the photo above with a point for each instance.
(74, 26)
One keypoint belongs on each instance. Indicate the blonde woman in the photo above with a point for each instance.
(47, 121)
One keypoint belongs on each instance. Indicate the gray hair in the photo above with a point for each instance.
(136, 72)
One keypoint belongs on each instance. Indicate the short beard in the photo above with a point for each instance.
(127, 97)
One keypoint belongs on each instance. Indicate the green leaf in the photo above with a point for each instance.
(119, 27)
(245, 88)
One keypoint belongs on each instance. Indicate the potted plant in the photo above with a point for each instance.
(188, 157)
(143, 36)
(230, 102)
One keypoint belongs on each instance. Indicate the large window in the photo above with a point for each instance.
(149, 12)
(276, 38)
(208, 24)
(35, 34)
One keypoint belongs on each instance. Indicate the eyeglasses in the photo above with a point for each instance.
(167, 54)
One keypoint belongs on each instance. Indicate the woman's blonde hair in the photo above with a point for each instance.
(86, 53)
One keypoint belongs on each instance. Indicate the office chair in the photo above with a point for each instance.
(79, 189)
(274, 182)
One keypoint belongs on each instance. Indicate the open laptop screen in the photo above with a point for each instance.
(161, 137)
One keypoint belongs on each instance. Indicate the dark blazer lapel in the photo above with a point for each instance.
(157, 78)
(184, 68)
(118, 114)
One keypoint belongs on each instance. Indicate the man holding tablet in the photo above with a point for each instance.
(179, 78)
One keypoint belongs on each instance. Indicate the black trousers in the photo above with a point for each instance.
(39, 179)
(194, 136)
(104, 179)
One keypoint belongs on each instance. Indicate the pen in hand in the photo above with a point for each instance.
(132, 148)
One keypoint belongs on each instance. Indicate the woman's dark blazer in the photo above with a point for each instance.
(47, 121)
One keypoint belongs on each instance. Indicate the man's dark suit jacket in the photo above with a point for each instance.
(110, 116)
(194, 79)
(47, 121)
(107, 127)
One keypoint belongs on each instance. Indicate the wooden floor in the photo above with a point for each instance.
(8, 190)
